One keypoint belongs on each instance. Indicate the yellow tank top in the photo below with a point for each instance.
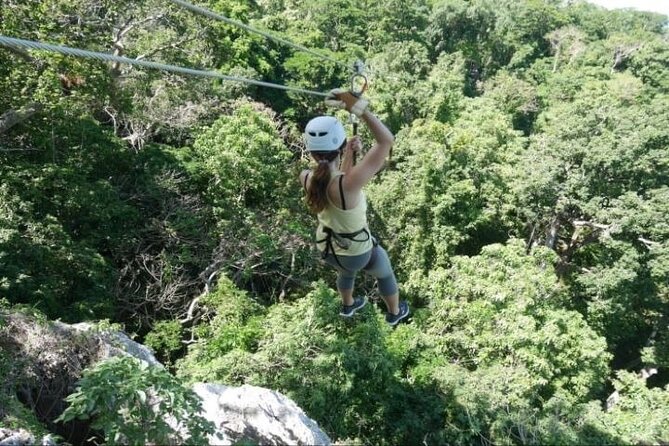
(345, 222)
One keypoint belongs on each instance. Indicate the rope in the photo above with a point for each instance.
(230, 21)
(20, 43)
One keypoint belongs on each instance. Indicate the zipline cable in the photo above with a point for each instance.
(267, 35)
(29, 44)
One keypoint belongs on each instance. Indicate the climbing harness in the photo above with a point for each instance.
(343, 240)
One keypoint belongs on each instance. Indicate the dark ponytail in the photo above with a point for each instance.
(317, 198)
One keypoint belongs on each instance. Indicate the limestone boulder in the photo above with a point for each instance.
(21, 437)
(258, 415)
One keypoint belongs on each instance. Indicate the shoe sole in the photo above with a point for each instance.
(392, 324)
(352, 313)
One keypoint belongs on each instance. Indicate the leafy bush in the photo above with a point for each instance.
(165, 339)
(243, 161)
(504, 348)
(134, 403)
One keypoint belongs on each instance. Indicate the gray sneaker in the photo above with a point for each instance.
(394, 319)
(349, 310)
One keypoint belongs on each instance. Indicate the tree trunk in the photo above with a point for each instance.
(13, 117)
(552, 233)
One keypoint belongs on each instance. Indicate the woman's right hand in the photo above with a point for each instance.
(344, 99)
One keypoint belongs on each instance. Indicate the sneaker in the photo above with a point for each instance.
(349, 310)
(394, 319)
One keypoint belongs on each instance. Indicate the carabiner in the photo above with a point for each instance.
(359, 67)
(357, 92)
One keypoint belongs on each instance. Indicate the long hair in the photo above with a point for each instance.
(317, 198)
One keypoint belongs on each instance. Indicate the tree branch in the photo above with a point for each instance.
(13, 117)
(168, 46)
(649, 243)
(23, 54)
(551, 234)
(590, 224)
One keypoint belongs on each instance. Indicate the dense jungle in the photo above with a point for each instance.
(525, 207)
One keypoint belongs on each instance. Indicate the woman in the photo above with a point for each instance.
(338, 200)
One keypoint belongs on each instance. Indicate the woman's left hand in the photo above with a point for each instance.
(354, 144)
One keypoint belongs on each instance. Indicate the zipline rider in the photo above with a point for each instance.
(336, 197)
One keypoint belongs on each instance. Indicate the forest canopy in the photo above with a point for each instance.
(525, 208)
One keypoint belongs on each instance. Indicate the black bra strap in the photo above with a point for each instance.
(341, 193)
(306, 177)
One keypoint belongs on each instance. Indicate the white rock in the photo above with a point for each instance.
(117, 343)
(21, 437)
(256, 414)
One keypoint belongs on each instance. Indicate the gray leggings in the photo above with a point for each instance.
(374, 262)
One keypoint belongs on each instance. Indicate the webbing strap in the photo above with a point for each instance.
(306, 177)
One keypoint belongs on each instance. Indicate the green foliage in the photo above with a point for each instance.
(131, 401)
(514, 317)
(508, 352)
(408, 89)
(602, 23)
(345, 375)
(514, 96)
(44, 264)
(650, 64)
(495, 343)
(165, 339)
(237, 323)
(130, 194)
(241, 165)
(242, 158)
(638, 416)
(591, 160)
(493, 34)
(450, 180)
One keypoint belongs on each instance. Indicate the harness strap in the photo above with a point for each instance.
(341, 192)
(306, 177)
(340, 238)
(329, 248)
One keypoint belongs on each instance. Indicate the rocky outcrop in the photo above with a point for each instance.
(116, 343)
(21, 437)
(258, 415)
(50, 357)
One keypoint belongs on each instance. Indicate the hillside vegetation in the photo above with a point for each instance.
(525, 208)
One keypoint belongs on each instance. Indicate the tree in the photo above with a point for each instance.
(566, 43)
(503, 345)
(492, 35)
(243, 168)
(587, 155)
(347, 376)
(638, 416)
(650, 64)
(397, 70)
(445, 194)
(60, 225)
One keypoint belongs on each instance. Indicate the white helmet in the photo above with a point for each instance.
(324, 134)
